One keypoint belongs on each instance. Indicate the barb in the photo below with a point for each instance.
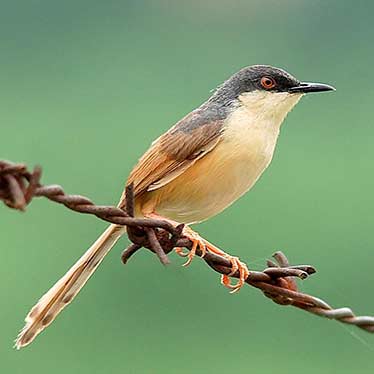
(18, 187)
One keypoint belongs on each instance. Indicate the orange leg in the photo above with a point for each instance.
(204, 246)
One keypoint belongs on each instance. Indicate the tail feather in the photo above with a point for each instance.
(65, 289)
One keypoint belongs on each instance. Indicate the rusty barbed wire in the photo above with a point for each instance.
(18, 187)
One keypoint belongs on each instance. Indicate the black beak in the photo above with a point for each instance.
(305, 87)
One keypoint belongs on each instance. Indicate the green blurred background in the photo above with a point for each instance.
(87, 85)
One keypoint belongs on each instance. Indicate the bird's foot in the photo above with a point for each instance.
(204, 246)
(236, 265)
(199, 243)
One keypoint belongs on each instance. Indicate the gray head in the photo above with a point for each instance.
(263, 78)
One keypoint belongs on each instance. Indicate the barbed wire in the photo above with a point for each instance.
(18, 187)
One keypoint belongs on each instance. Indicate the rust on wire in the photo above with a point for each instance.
(18, 187)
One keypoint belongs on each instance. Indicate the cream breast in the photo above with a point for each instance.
(233, 166)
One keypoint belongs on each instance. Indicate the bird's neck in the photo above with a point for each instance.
(265, 109)
(257, 117)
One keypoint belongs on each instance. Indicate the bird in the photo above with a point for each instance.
(194, 171)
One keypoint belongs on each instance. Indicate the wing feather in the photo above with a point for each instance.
(176, 150)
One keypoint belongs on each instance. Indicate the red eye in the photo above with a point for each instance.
(267, 83)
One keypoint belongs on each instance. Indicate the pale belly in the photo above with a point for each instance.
(213, 182)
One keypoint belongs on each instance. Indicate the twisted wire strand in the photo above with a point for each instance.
(18, 187)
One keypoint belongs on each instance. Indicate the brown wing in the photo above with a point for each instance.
(175, 151)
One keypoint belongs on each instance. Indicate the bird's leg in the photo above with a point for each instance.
(196, 240)
(199, 242)
(236, 265)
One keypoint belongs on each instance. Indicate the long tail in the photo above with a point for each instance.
(64, 291)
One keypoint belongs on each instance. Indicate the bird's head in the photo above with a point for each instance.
(265, 90)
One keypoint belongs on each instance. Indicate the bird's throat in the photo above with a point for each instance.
(266, 109)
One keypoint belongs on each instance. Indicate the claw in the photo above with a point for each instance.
(202, 249)
(181, 252)
(204, 246)
(192, 253)
(236, 265)
(243, 275)
(198, 243)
